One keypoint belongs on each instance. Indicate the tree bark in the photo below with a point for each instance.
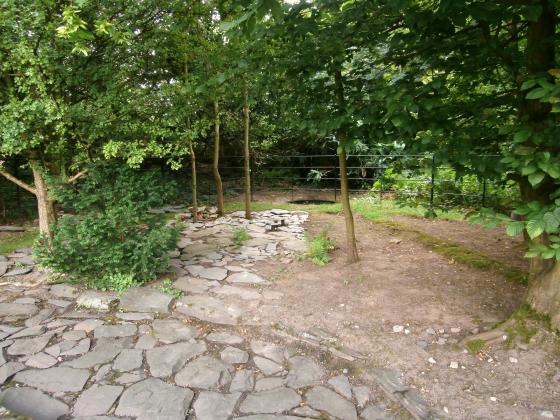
(352, 249)
(45, 205)
(246, 163)
(193, 184)
(216, 161)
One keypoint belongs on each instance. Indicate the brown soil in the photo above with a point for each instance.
(407, 284)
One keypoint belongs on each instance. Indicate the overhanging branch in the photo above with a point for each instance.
(18, 182)
(74, 178)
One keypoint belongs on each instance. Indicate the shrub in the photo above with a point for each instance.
(318, 248)
(240, 235)
(109, 240)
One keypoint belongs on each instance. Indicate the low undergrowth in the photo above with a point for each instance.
(319, 248)
(168, 288)
(10, 241)
(239, 236)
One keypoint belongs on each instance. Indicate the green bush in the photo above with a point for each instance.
(109, 240)
(239, 236)
(318, 248)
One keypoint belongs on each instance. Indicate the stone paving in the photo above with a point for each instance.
(66, 352)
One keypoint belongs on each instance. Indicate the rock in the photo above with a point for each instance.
(398, 328)
(129, 378)
(455, 330)
(432, 360)
(323, 399)
(88, 325)
(454, 365)
(29, 332)
(80, 348)
(362, 395)
(9, 369)
(18, 271)
(375, 413)
(103, 352)
(146, 342)
(167, 360)
(96, 400)
(242, 381)
(215, 406)
(246, 277)
(546, 414)
(127, 360)
(269, 350)
(55, 379)
(42, 316)
(3, 267)
(234, 355)
(193, 285)
(63, 291)
(341, 385)
(274, 401)
(224, 337)
(246, 294)
(513, 360)
(154, 399)
(266, 384)
(135, 316)
(93, 299)
(8, 228)
(306, 412)
(170, 331)
(266, 366)
(17, 309)
(268, 417)
(24, 346)
(145, 299)
(212, 273)
(209, 309)
(204, 373)
(31, 403)
(74, 335)
(41, 361)
(303, 372)
(114, 331)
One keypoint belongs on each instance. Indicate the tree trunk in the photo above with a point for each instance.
(45, 205)
(352, 251)
(193, 184)
(246, 163)
(216, 161)
(544, 294)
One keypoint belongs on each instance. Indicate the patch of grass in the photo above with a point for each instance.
(9, 242)
(168, 288)
(524, 322)
(117, 282)
(318, 248)
(240, 235)
(380, 210)
(475, 346)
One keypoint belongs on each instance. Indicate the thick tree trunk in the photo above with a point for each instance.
(45, 205)
(544, 294)
(193, 184)
(246, 163)
(216, 161)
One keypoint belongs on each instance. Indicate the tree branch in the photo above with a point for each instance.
(18, 182)
(74, 178)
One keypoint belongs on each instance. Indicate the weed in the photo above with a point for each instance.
(168, 288)
(239, 236)
(318, 248)
(475, 346)
(116, 282)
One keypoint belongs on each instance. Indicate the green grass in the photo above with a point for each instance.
(9, 242)
(239, 236)
(319, 248)
(168, 288)
(475, 346)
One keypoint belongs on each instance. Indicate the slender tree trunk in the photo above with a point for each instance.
(45, 206)
(193, 184)
(216, 161)
(246, 163)
(352, 251)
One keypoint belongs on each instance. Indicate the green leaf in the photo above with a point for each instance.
(536, 178)
(522, 135)
(528, 84)
(515, 228)
(534, 228)
(536, 93)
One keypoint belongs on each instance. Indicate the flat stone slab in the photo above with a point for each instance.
(55, 379)
(243, 293)
(341, 385)
(375, 413)
(323, 399)
(114, 331)
(246, 277)
(205, 373)
(145, 299)
(18, 309)
(304, 371)
(215, 406)
(97, 400)
(211, 273)
(102, 353)
(194, 285)
(32, 403)
(234, 355)
(225, 338)
(167, 360)
(269, 350)
(63, 291)
(154, 399)
(24, 346)
(266, 366)
(242, 381)
(209, 309)
(127, 360)
(18, 271)
(274, 401)
(41, 361)
(9, 369)
(170, 331)
(93, 299)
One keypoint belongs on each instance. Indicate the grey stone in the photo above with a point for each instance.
(61, 303)
(246, 277)
(215, 406)
(146, 342)
(18, 271)
(362, 395)
(306, 412)
(170, 331)
(54, 379)
(234, 355)
(303, 372)
(113, 331)
(243, 293)
(29, 332)
(8, 228)
(268, 417)
(17, 309)
(63, 291)
(269, 350)
(127, 360)
(375, 413)
(129, 378)
(42, 316)
(41, 361)
(80, 348)
(102, 372)
(194, 285)
(209, 309)
(212, 273)
(74, 335)
(25, 346)
(204, 373)
(266, 384)
(274, 401)
(341, 385)
(26, 300)
(32, 403)
(323, 399)
(154, 399)
(224, 337)
(93, 299)
(266, 366)
(96, 400)
(88, 325)
(9, 369)
(102, 353)
(242, 381)
(3, 267)
(145, 299)
(135, 316)
(166, 360)
(2, 358)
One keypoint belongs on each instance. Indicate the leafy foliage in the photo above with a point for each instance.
(168, 288)
(319, 248)
(239, 236)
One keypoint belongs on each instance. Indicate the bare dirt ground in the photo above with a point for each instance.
(407, 285)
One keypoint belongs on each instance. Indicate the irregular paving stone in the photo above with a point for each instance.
(59, 303)
(268, 350)
(323, 399)
(96, 400)
(170, 331)
(55, 379)
(362, 395)
(26, 300)
(266, 366)
(18, 271)
(154, 399)
(32, 403)
(88, 325)
(93, 299)
(41, 361)
(205, 373)
(215, 406)
(146, 342)
(9, 369)
(2, 359)
(268, 417)
(375, 413)
(209, 309)
(307, 412)
(127, 360)
(3, 267)
(63, 291)
(266, 384)
(103, 352)
(166, 360)
(74, 335)
(111, 331)
(102, 372)
(304, 372)
(18, 309)
(134, 316)
(78, 349)
(246, 294)
(273, 401)
(145, 299)
(29, 332)
(234, 355)
(42, 316)
(212, 273)
(194, 285)
(129, 378)
(224, 337)
(246, 277)
(25, 346)
(341, 385)
(242, 381)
